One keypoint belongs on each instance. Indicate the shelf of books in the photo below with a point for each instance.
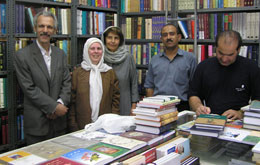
(242, 16)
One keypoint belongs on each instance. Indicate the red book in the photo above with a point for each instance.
(3, 124)
(150, 155)
(60, 161)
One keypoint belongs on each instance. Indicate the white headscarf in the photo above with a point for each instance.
(95, 80)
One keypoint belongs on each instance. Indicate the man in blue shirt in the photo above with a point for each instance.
(169, 73)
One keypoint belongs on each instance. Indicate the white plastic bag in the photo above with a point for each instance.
(112, 123)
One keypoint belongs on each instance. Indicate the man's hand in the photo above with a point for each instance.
(233, 114)
(60, 110)
(52, 116)
(202, 110)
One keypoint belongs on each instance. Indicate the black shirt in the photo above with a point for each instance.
(226, 87)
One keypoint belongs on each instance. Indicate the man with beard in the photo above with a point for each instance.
(169, 72)
(44, 77)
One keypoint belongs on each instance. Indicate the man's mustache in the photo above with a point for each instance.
(44, 34)
(169, 40)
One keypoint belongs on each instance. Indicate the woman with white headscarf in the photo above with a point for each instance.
(95, 88)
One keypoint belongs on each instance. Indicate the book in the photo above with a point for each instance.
(251, 120)
(151, 113)
(155, 130)
(21, 157)
(157, 118)
(150, 155)
(60, 161)
(234, 134)
(184, 28)
(203, 132)
(107, 149)
(135, 160)
(211, 120)
(255, 105)
(156, 123)
(172, 159)
(128, 143)
(86, 156)
(250, 126)
(142, 136)
(256, 148)
(48, 150)
(160, 98)
(74, 142)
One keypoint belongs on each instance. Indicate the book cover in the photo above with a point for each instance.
(234, 134)
(156, 123)
(209, 119)
(21, 157)
(142, 136)
(107, 149)
(60, 161)
(157, 118)
(74, 142)
(203, 132)
(124, 142)
(256, 148)
(255, 105)
(89, 157)
(48, 150)
(155, 130)
(135, 160)
(150, 155)
(184, 28)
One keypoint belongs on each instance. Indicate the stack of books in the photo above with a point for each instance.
(252, 116)
(156, 114)
(256, 153)
(209, 125)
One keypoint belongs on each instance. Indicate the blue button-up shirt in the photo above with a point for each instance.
(171, 77)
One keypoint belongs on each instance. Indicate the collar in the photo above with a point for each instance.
(180, 52)
(43, 51)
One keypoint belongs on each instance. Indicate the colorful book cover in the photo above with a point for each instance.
(150, 155)
(108, 149)
(209, 119)
(22, 157)
(87, 156)
(60, 161)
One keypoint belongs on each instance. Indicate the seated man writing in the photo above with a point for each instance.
(227, 82)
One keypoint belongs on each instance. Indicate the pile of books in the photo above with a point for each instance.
(256, 153)
(252, 116)
(156, 114)
(209, 125)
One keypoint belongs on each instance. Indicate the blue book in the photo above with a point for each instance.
(3, 18)
(184, 28)
(87, 156)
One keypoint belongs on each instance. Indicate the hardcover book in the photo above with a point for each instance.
(60, 161)
(74, 142)
(107, 149)
(155, 130)
(89, 157)
(255, 105)
(125, 142)
(142, 136)
(48, 150)
(211, 120)
(21, 157)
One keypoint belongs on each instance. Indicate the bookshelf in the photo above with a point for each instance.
(18, 34)
(235, 12)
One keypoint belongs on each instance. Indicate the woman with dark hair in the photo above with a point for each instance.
(117, 56)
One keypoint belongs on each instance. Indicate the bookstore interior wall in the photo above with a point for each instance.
(141, 22)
